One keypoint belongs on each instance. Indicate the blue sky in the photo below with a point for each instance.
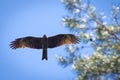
(20, 18)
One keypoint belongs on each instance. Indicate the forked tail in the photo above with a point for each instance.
(44, 55)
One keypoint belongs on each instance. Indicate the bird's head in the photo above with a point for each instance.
(44, 36)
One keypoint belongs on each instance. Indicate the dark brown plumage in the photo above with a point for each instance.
(44, 43)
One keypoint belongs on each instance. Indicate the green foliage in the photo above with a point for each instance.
(103, 35)
(97, 64)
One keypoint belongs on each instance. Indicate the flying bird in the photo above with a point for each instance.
(44, 42)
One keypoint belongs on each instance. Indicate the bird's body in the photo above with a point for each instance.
(44, 42)
(44, 47)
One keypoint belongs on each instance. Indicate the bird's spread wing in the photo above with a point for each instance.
(30, 42)
(62, 39)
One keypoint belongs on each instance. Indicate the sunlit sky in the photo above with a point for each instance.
(20, 18)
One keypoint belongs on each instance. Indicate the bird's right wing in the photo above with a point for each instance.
(62, 39)
(30, 42)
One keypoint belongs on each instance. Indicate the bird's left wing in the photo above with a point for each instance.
(62, 39)
(30, 42)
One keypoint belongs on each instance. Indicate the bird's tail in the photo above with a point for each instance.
(44, 55)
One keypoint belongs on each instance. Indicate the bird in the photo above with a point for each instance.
(44, 42)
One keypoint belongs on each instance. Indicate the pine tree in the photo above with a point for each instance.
(97, 57)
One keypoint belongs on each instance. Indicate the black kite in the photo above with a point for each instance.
(44, 42)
